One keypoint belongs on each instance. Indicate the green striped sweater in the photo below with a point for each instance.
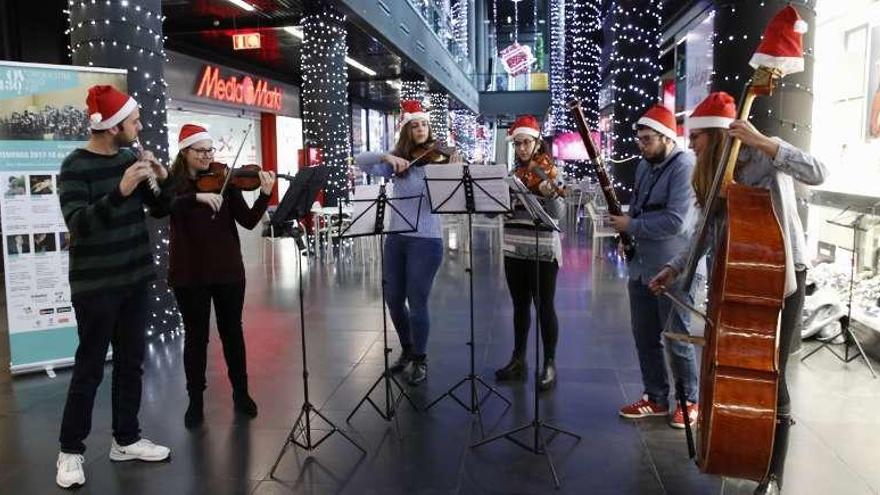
(109, 241)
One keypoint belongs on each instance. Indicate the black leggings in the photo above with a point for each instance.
(789, 329)
(520, 276)
(195, 307)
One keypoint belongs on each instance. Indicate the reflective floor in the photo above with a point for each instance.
(833, 445)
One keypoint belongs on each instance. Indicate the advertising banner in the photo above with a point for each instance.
(42, 119)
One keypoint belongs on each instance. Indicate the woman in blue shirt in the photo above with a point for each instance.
(411, 259)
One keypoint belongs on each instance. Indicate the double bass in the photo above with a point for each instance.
(739, 370)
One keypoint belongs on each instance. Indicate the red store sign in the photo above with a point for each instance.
(241, 91)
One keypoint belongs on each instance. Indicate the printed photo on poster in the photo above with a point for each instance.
(16, 185)
(44, 242)
(18, 244)
(64, 241)
(41, 184)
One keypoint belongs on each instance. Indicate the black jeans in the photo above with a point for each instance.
(789, 329)
(116, 317)
(520, 276)
(195, 307)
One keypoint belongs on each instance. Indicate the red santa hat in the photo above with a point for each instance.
(783, 44)
(525, 124)
(191, 134)
(717, 110)
(659, 118)
(412, 110)
(107, 107)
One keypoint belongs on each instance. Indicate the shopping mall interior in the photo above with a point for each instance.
(431, 272)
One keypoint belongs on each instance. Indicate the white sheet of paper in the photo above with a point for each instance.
(363, 213)
(489, 187)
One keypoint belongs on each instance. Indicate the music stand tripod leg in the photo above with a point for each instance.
(303, 424)
(472, 378)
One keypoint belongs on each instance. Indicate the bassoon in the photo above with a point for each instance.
(614, 208)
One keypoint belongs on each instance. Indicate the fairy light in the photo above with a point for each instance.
(325, 94)
(115, 33)
(464, 132)
(439, 111)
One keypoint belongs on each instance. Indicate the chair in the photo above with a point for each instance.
(601, 229)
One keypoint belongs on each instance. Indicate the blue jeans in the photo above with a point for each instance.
(649, 314)
(410, 266)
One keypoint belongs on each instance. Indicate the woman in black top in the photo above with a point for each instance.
(206, 265)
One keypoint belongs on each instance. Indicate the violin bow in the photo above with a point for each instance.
(235, 161)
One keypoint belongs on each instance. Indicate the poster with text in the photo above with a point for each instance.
(42, 119)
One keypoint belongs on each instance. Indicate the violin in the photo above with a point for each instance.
(541, 168)
(426, 154)
(244, 178)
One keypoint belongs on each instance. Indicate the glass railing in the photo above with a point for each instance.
(440, 23)
(502, 81)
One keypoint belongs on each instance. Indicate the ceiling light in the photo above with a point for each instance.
(296, 31)
(242, 4)
(357, 65)
(394, 84)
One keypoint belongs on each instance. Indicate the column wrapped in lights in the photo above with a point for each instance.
(464, 130)
(414, 90)
(128, 35)
(559, 121)
(635, 71)
(325, 94)
(459, 17)
(583, 27)
(440, 116)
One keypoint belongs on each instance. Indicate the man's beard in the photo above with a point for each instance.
(656, 158)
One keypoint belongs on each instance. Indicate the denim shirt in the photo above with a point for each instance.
(662, 212)
(410, 184)
(757, 169)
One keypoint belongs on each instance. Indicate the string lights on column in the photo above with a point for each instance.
(558, 121)
(325, 94)
(464, 131)
(128, 35)
(439, 110)
(635, 71)
(414, 90)
(459, 16)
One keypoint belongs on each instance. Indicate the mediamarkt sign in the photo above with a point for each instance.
(238, 91)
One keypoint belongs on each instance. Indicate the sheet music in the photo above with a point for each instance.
(531, 203)
(363, 206)
(489, 188)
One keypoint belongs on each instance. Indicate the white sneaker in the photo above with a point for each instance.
(142, 450)
(70, 470)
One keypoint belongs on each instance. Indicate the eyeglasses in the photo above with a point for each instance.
(203, 151)
(647, 139)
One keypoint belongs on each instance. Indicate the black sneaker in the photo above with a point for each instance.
(419, 371)
(402, 362)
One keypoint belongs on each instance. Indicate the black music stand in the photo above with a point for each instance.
(849, 338)
(297, 201)
(368, 219)
(541, 220)
(461, 194)
(301, 193)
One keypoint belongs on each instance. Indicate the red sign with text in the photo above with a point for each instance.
(238, 90)
(246, 41)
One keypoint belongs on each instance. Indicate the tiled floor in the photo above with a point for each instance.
(833, 445)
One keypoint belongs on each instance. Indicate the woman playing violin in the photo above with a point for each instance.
(535, 168)
(206, 265)
(412, 259)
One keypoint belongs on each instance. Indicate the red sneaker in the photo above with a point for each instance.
(678, 417)
(642, 409)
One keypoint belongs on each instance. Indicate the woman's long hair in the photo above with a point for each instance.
(707, 164)
(180, 172)
(405, 143)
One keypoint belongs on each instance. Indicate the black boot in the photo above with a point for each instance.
(195, 413)
(403, 361)
(514, 371)
(419, 371)
(772, 484)
(243, 403)
(548, 376)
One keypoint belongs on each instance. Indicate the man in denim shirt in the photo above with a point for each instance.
(660, 213)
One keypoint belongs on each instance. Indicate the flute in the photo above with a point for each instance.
(152, 180)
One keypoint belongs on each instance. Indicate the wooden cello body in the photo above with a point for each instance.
(740, 372)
